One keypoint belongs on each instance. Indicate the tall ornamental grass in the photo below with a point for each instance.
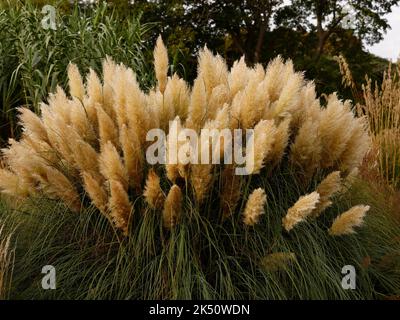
(115, 226)
(6, 261)
(382, 107)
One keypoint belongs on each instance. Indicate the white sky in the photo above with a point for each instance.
(389, 47)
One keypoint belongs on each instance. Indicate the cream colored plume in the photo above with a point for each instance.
(212, 69)
(300, 210)
(174, 166)
(13, 185)
(59, 185)
(274, 76)
(75, 82)
(80, 121)
(201, 175)
(176, 98)
(94, 96)
(264, 137)
(305, 152)
(289, 96)
(111, 165)
(60, 105)
(172, 207)
(251, 109)
(84, 155)
(161, 64)
(254, 207)
(153, 193)
(219, 97)
(280, 142)
(108, 131)
(110, 73)
(347, 221)
(335, 129)
(121, 86)
(356, 147)
(201, 178)
(238, 77)
(328, 187)
(351, 178)
(96, 191)
(141, 115)
(32, 125)
(308, 108)
(120, 207)
(197, 105)
(133, 158)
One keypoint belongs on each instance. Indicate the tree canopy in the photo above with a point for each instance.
(311, 32)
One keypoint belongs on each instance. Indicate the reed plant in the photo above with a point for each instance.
(382, 107)
(34, 59)
(380, 104)
(6, 261)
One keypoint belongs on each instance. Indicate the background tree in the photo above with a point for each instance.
(326, 17)
(246, 22)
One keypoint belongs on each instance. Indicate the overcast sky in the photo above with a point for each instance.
(390, 47)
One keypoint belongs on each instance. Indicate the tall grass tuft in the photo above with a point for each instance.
(120, 227)
(6, 261)
(96, 137)
(382, 107)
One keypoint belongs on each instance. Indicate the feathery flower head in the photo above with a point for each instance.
(347, 221)
(254, 207)
(161, 64)
(300, 210)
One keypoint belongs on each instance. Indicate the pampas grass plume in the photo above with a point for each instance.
(76, 86)
(328, 187)
(161, 64)
(120, 207)
(153, 193)
(96, 192)
(133, 158)
(347, 221)
(300, 210)
(172, 207)
(254, 207)
(107, 129)
(62, 188)
(111, 165)
(264, 137)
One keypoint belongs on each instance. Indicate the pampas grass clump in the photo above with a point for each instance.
(93, 142)
(180, 230)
